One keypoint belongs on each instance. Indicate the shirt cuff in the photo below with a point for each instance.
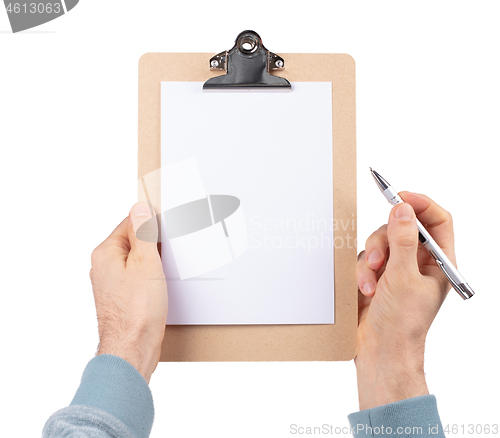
(112, 384)
(417, 416)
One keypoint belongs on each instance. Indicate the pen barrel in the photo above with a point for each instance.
(392, 196)
(451, 273)
(436, 252)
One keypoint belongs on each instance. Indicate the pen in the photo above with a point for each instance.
(449, 270)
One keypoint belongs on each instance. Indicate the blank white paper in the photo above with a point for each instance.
(247, 200)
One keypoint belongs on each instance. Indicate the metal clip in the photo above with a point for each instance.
(247, 65)
(463, 289)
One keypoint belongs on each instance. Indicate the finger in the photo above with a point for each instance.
(143, 231)
(119, 236)
(376, 248)
(402, 233)
(116, 246)
(435, 219)
(365, 277)
(371, 261)
(363, 305)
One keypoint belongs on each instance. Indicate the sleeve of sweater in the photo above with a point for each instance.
(414, 417)
(113, 400)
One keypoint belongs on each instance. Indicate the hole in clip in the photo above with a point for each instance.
(248, 44)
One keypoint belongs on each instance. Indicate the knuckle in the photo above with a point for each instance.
(382, 229)
(378, 239)
(359, 269)
(97, 255)
(448, 217)
(369, 240)
(94, 256)
(404, 276)
(138, 258)
(377, 235)
(406, 239)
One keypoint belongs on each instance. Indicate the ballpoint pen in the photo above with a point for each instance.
(449, 270)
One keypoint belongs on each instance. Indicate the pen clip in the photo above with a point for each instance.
(463, 291)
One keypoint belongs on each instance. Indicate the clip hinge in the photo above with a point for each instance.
(218, 62)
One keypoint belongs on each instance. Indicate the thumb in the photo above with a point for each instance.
(402, 234)
(143, 229)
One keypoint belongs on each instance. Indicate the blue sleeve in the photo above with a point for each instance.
(113, 400)
(416, 416)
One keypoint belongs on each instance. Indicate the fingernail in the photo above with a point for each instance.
(368, 287)
(374, 257)
(404, 212)
(141, 209)
(140, 213)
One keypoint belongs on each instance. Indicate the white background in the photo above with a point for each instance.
(428, 112)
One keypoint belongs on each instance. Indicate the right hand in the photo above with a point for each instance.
(401, 291)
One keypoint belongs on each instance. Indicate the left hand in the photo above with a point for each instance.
(130, 293)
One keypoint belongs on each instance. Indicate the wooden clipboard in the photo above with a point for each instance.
(266, 342)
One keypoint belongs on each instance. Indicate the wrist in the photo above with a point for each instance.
(144, 364)
(386, 378)
(141, 353)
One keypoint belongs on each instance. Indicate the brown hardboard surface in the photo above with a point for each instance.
(266, 342)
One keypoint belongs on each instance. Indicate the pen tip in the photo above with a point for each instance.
(371, 170)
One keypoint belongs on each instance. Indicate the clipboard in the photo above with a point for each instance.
(328, 342)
